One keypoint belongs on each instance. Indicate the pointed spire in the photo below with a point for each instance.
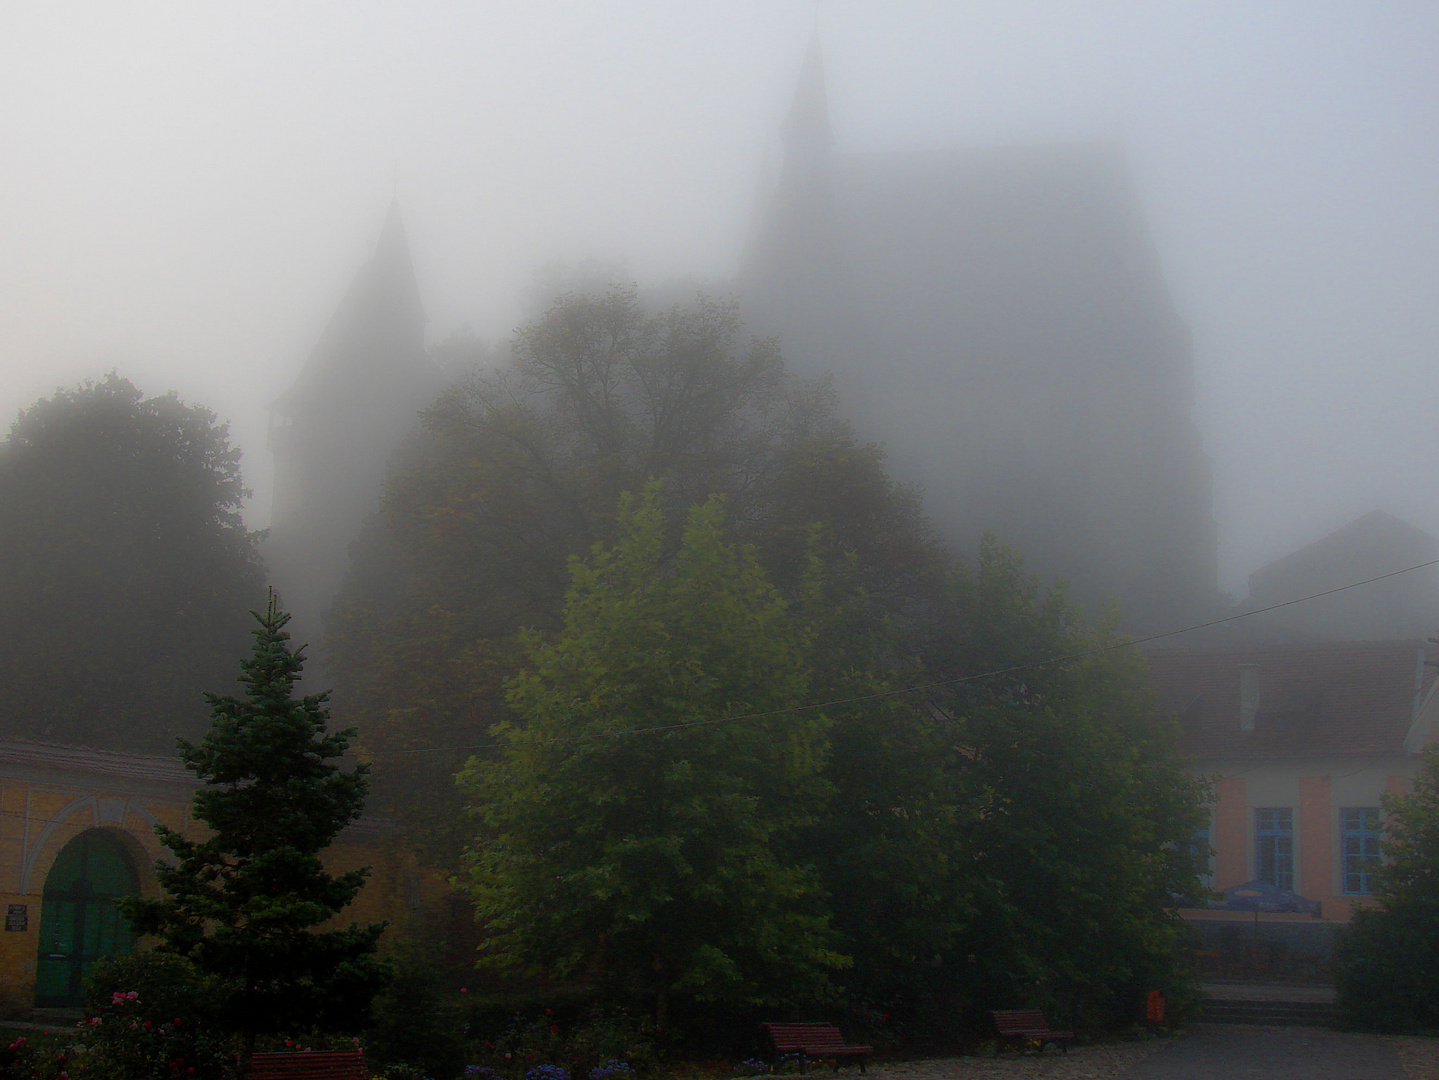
(391, 265)
(807, 124)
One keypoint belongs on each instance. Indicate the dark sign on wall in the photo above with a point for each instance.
(16, 917)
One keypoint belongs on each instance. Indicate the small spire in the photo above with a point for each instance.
(808, 119)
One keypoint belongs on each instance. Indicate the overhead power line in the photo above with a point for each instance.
(916, 688)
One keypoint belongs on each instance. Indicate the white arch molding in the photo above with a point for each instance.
(105, 812)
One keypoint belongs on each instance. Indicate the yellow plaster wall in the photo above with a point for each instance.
(1317, 791)
(38, 819)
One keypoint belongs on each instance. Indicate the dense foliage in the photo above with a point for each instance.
(1011, 835)
(125, 569)
(1083, 805)
(243, 903)
(660, 863)
(524, 467)
(1387, 961)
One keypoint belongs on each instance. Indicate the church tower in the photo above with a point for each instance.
(998, 319)
(333, 433)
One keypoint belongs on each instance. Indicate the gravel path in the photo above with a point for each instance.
(1208, 1052)
(1258, 1052)
(1081, 1063)
(1420, 1057)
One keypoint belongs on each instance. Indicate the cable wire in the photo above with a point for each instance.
(915, 688)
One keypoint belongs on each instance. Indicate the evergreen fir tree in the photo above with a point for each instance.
(243, 903)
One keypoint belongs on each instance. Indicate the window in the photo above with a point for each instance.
(1274, 847)
(1360, 829)
(1200, 849)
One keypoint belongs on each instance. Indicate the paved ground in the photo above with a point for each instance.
(1207, 1052)
(1106, 1061)
(1244, 1052)
(1237, 991)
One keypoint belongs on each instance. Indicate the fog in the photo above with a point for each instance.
(186, 191)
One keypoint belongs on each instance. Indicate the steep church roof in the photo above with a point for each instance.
(334, 433)
(808, 118)
(378, 325)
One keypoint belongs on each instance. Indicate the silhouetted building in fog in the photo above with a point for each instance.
(998, 319)
(1404, 605)
(334, 431)
(1301, 744)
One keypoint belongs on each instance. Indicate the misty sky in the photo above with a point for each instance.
(186, 189)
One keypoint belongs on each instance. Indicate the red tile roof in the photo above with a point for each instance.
(1346, 698)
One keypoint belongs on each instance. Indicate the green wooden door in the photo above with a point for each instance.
(79, 920)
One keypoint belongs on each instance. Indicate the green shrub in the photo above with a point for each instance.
(1386, 965)
(1386, 970)
(416, 1027)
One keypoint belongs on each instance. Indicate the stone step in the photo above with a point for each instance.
(1297, 1013)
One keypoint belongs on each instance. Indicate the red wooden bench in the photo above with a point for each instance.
(1021, 1026)
(814, 1041)
(309, 1065)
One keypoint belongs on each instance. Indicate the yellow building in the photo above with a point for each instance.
(77, 830)
(1302, 743)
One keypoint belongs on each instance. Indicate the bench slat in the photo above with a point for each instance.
(309, 1065)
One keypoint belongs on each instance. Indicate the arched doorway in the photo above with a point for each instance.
(79, 919)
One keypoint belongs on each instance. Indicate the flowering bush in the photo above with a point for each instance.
(581, 1049)
(480, 1072)
(751, 1067)
(145, 1019)
(404, 1072)
(42, 1058)
(546, 1072)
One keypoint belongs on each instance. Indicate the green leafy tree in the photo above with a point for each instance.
(523, 468)
(632, 833)
(125, 569)
(244, 903)
(1081, 804)
(1387, 961)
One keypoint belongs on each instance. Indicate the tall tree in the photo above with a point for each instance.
(634, 830)
(1084, 808)
(125, 569)
(523, 468)
(243, 904)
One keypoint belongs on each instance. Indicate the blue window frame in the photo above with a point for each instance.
(1274, 847)
(1360, 828)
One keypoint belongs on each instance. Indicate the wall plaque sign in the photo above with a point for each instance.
(16, 917)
